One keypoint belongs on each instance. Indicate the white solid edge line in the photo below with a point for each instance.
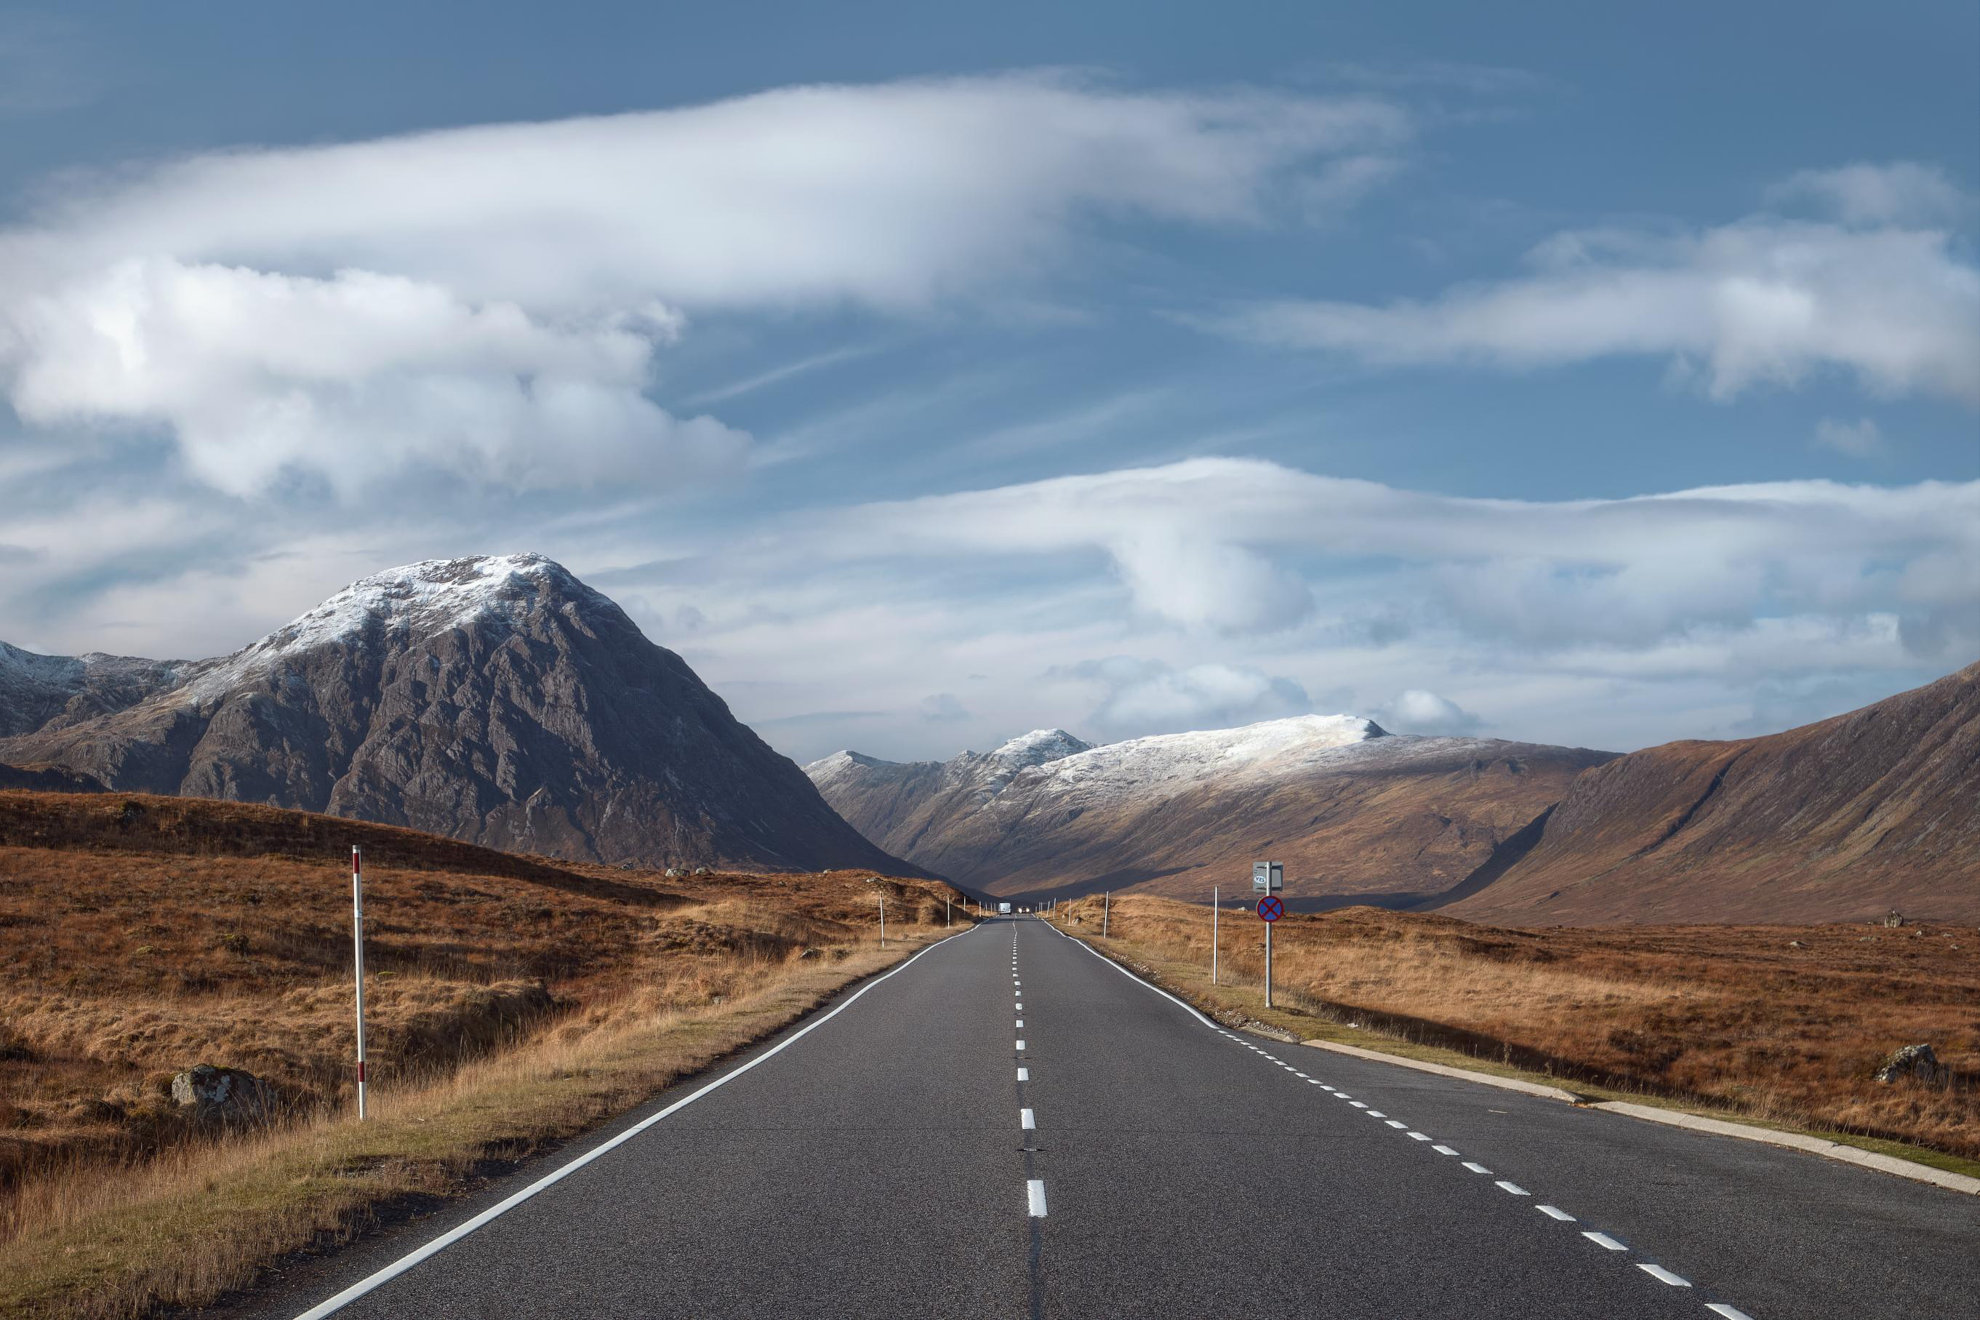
(1729, 1312)
(1026, 1121)
(1604, 1240)
(1137, 980)
(1034, 1191)
(448, 1239)
(1662, 1275)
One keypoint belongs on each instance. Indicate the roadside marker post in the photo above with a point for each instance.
(1266, 877)
(357, 944)
(883, 921)
(1216, 909)
(1106, 910)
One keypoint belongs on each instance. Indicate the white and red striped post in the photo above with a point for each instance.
(357, 939)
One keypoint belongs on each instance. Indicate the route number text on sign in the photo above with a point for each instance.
(1271, 909)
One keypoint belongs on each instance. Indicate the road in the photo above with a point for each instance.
(1009, 1125)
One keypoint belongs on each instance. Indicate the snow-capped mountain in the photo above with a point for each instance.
(496, 699)
(1348, 806)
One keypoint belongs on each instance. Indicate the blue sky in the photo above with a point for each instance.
(924, 377)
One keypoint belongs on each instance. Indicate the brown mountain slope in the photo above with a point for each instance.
(497, 700)
(1840, 820)
(1354, 813)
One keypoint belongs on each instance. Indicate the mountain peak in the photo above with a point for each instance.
(1040, 746)
(431, 596)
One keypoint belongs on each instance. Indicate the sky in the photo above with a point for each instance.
(925, 376)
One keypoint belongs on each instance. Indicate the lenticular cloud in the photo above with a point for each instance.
(490, 300)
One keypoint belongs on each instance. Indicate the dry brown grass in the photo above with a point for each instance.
(510, 1004)
(1784, 1024)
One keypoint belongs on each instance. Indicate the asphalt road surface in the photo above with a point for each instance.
(1008, 1125)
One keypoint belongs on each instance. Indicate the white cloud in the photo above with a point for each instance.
(1859, 439)
(1904, 192)
(1417, 711)
(1218, 545)
(489, 300)
(1763, 301)
(258, 374)
(1143, 696)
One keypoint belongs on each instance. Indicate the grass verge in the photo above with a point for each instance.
(205, 1219)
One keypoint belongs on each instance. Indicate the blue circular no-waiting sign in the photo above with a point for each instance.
(1270, 908)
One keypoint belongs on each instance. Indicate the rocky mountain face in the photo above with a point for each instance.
(1354, 812)
(1840, 820)
(497, 700)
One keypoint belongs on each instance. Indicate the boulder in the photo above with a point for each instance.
(1916, 1062)
(223, 1095)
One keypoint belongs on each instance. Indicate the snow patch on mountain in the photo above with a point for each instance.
(426, 598)
(1038, 747)
(1165, 764)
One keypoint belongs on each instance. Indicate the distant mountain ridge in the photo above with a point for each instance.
(1351, 809)
(1843, 819)
(494, 699)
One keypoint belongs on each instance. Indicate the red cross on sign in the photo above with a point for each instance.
(1270, 908)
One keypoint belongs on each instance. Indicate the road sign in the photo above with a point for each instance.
(1267, 877)
(1270, 909)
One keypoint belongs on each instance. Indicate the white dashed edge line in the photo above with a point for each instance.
(1600, 1239)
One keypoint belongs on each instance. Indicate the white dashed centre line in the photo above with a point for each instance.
(1419, 1136)
(1604, 1240)
(1729, 1312)
(1020, 1044)
(1443, 1150)
(1020, 1023)
(1395, 1123)
(1476, 1168)
(1358, 1104)
(1024, 1074)
(1512, 1187)
(1662, 1275)
(1027, 1121)
(1555, 1212)
(1034, 1190)
(1376, 1113)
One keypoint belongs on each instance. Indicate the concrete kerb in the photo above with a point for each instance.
(1869, 1159)
(1483, 1079)
(1834, 1150)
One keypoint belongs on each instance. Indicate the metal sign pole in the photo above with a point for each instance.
(1268, 963)
(1216, 910)
(357, 942)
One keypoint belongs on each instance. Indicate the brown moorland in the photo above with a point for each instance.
(141, 935)
(1782, 1024)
